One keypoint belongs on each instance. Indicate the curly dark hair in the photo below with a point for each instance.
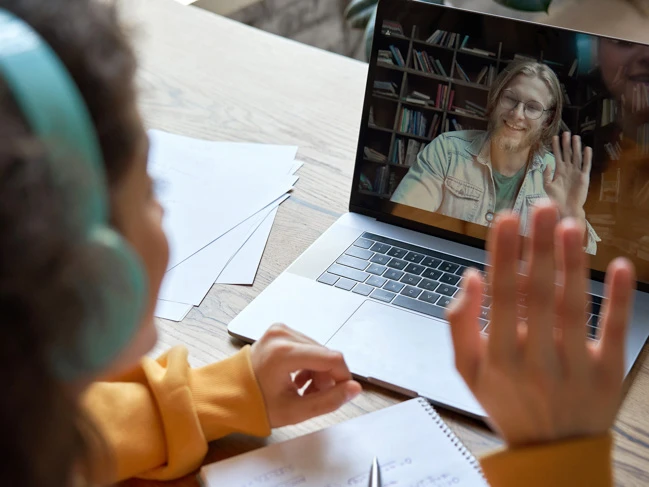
(45, 438)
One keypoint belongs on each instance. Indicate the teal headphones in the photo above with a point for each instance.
(56, 113)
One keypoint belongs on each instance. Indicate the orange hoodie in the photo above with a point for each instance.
(158, 419)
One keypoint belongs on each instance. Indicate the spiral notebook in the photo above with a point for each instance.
(412, 443)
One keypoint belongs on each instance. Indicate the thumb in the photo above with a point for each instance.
(319, 403)
(547, 175)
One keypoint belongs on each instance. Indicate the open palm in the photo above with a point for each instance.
(568, 187)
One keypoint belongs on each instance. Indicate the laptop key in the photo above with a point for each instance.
(382, 295)
(484, 313)
(394, 286)
(446, 289)
(327, 278)
(486, 301)
(381, 248)
(350, 261)
(449, 279)
(445, 301)
(359, 253)
(393, 274)
(460, 271)
(376, 269)
(397, 252)
(346, 284)
(411, 292)
(348, 272)
(431, 262)
(483, 324)
(415, 269)
(363, 243)
(420, 306)
(432, 274)
(411, 279)
(449, 267)
(363, 289)
(429, 297)
(397, 264)
(414, 257)
(376, 281)
(380, 259)
(428, 285)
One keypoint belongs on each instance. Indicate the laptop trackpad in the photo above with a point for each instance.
(404, 349)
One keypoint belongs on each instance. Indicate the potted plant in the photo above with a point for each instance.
(361, 13)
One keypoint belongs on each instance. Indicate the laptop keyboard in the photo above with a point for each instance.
(416, 278)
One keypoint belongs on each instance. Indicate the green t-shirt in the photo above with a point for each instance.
(507, 188)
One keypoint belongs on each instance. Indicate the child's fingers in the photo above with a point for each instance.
(298, 356)
(620, 282)
(572, 294)
(318, 403)
(503, 281)
(463, 317)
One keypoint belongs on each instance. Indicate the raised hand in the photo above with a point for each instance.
(284, 361)
(568, 187)
(543, 380)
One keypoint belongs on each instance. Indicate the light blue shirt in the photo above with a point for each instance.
(453, 176)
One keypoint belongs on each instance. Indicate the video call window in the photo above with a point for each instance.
(442, 96)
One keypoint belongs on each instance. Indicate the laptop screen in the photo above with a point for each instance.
(458, 120)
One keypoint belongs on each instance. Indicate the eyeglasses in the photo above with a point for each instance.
(533, 109)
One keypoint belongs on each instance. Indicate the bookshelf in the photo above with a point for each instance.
(449, 97)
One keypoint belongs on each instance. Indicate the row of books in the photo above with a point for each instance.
(391, 56)
(386, 88)
(424, 62)
(640, 100)
(485, 77)
(610, 109)
(471, 108)
(405, 153)
(643, 139)
(374, 155)
(390, 28)
(614, 151)
(444, 99)
(588, 125)
(382, 181)
(413, 122)
(447, 39)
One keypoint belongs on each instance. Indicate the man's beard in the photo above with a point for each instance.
(506, 144)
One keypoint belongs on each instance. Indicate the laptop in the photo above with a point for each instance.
(377, 283)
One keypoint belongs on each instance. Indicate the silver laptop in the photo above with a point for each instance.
(435, 162)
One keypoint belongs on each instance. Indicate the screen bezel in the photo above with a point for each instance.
(356, 198)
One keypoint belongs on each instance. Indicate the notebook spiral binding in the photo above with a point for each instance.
(473, 461)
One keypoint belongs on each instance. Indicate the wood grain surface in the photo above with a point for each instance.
(209, 77)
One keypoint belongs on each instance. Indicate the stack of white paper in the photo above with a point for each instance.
(220, 201)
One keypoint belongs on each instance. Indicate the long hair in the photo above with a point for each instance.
(45, 438)
(531, 69)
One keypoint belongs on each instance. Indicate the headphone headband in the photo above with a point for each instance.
(55, 111)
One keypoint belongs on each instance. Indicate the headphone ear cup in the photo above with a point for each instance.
(113, 310)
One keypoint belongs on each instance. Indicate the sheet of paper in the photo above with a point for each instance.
(243, 266)
(195, 216)
(191, 280)
(211, 160)
(172, 311)
(412, 448)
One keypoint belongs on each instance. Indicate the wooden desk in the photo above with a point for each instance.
(209, 77)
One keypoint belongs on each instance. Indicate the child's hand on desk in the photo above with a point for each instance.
(282, 352)
(543, 381)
